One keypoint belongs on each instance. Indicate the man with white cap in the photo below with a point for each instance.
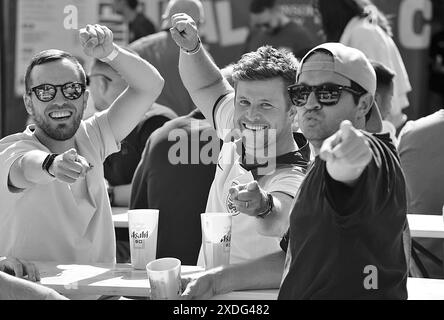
(346, 229)
(345, 239)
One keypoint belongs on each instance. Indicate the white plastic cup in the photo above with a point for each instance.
(216, 238)
(143, 226)
(164, 277)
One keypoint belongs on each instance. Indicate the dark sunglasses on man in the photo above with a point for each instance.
(47, 92)
(327, 94)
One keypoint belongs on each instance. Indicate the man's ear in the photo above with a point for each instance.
(28, 104)
(365, 104)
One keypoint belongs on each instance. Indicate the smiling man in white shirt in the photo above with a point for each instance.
(258, 175)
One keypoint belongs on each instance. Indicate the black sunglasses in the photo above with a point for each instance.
(327, 94)
(88, 78)
(47, 92)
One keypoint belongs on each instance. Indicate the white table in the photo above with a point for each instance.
(120, 217)
(117, 280)
(122, 280)
(421, 225)
(426, 226)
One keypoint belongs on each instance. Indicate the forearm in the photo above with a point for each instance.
(262, 273)
(140, 75)
(144, 86)
(203, 80)
(276, 223)
(27, 170)
(122, 195)
(12, 288)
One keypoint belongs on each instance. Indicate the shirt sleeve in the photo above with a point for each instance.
(13, 148)
(377, 183)
(101, 135)
(223, 115)
(287, 182)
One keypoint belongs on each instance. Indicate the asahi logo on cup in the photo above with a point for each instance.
(226, 241)
(139, 238)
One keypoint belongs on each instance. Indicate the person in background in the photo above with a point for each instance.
(106, 85)
(138, 24)
(421, 150)
(55, 205)
(261, 164)
(270, 26)
(384, 97)
(162, 52)
(361, 25)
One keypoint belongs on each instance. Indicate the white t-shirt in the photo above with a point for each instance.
(246, 242)
(58, 221)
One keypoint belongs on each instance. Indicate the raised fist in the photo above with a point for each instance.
(97, 41)
(184, 31)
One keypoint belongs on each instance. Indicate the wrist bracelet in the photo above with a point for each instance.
(48, 162)
(269, 209)
(111, 56)
(195, 50)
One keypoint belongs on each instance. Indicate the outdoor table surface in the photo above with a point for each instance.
(426, 225)
(421, 225)
(123, 280)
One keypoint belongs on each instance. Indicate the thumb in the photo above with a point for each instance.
(177, 36)
(70, 155)
(253, 186)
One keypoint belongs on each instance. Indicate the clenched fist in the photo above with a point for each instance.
(184, 31)
(69, 167)
(97, 41)
(346, 152)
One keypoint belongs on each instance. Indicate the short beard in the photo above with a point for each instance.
(62, 132)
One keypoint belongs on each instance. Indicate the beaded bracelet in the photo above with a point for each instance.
(195, 50)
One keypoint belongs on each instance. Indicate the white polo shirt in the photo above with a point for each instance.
(246, 242)
(58, 221)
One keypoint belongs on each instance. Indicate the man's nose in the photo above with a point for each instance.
(59, 97)
(312, 102)
(253, 112)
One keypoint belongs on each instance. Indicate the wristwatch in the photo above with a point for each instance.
(48, 162)
(269, 209)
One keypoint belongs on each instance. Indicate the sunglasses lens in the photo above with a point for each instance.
(45, 92)
(299, 95)
(328, 95)
(72, 91)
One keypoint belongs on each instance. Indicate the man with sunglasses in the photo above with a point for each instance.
(346, 228)
(257, 176)
(345, 239)
(54, 201)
